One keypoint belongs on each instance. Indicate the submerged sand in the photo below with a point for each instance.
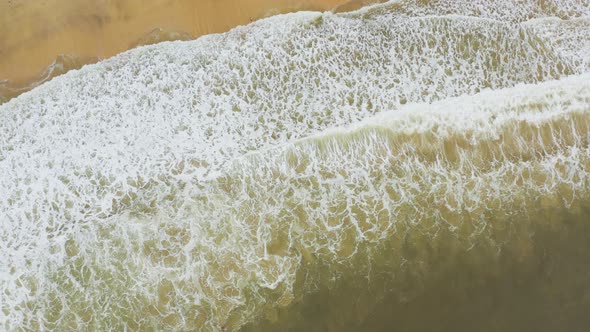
(34, 34)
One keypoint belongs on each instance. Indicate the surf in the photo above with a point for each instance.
(235, 181)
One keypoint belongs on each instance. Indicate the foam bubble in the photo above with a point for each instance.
(516, 12)
(259, 235)
(173, 186)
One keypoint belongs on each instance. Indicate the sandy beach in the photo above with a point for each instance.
(419, 165)
(33, 34)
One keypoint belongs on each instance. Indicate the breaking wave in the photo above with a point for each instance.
(340, 162)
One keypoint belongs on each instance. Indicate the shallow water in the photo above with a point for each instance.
(404, 167)
(36, 35)
(536, 283)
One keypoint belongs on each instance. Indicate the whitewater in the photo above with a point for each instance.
(312, 171)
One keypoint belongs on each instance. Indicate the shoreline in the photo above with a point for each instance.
(33, 34)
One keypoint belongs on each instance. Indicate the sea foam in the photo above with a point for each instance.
(190, 185)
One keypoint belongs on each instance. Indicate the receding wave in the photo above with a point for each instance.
(62, 64)
(224, 183)
(516, 12)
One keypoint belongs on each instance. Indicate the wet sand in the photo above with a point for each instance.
(34, 34)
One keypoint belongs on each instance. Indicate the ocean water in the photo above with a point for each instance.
(410, 166)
